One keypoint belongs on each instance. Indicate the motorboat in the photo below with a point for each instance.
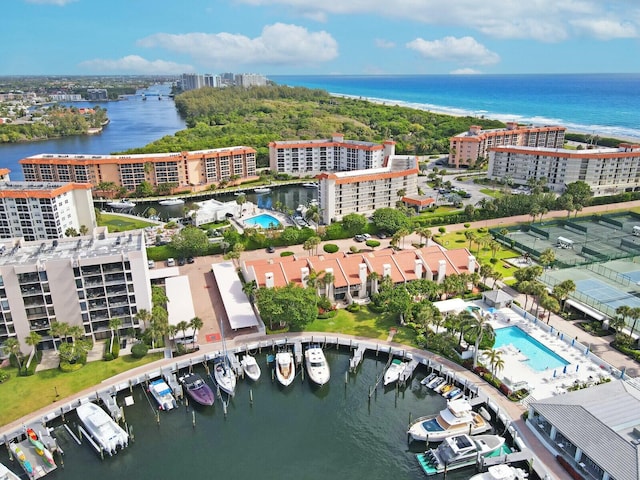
(317, 366)
(6, 474)
(250, 367)
(163, 394)
(435, 382)
(40, 449)
(443, 387)
(501, 472)
(457, 418)
(121, 204)
(104, 430)
(224, 375)
(310, 185)
(453, 394)
(262, 190)
(169, 202)
(22, 458)
(426, 380)
(285, 368)
(197, 388)
(459, 451)
(394, 371)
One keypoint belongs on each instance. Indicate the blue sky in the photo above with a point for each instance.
(276, 37)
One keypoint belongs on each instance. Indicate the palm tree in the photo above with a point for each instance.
(33, 339)
(495, 360)
(471, 236)
(59, 330)
(241, 200)
(249, 289)
(158, 296)
(480, 327)
(635, 315)
(196, 323)
(617, 323)
(562, 291)
(327, 279)
(497, 276)
(485, 272)
(11, 346)
(623, 311)
(463, 320)
(182, 326)
(114, 325)
(373, 278)
(143, 316)
(549, 304)
(547, 257)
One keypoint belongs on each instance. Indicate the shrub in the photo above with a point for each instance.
(372, 243)
(330, 247)
(324, 303)
(286, 254)
(139, 350)
(115, 351)
(353, 307)
(70, 367)
(328, 314)
(4, 376)
(108, 357)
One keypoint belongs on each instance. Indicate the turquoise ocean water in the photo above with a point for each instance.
(607, 105)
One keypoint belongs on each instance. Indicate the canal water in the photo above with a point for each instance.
(300, 432)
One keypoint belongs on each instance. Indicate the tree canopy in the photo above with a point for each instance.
(390, 220)
(190, 242)
(292, 305)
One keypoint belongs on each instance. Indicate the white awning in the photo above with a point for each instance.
(236, 304)
(586, 310)
(180, 306)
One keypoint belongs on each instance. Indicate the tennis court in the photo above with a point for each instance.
(607, 294)
(633, 276)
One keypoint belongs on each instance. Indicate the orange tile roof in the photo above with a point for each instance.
(321, 263)
(421, 202)
(37, 193)
(570, 154)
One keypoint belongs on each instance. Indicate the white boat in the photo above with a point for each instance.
(458, 452)
(317, 366)
(171, 201)
(6, 474)
(224, 375)
(426, 380)
(501, 472)
(163, 394)
(457, 418)
(103, 429)
(435, 382)
(123, 204)
(394, 371)
(250, 367)
(262, 190)
(285, 368)
(310, 185)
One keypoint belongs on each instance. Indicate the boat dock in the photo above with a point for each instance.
(109, 401)
(520, 456)
(358, 356)
(39, 466)
(297, 352)
(407, 373)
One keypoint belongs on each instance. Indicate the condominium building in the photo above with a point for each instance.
(199, 168)
(352, 275)
(466, 148)
(250, 80)
(44, 210)
(193, 81)
(364, 191)
(328, 155)
(606, 170)
(83, 281)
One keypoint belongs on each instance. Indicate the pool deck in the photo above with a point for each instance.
(583, 368)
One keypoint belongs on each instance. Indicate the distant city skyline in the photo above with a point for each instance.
(279, 37)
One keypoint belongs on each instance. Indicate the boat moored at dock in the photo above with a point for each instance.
(457, 418)
(103, 429)
(250, 367)
(317, 366)
(169, 202)
(224, 375)
(6, 474)
(285, 368)
(197, 388)
(262, 190)
(501, 472)
(394, 371)
(121, 204)
(459, 451)
(163, 394)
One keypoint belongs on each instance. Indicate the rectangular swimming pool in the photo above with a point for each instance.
(539, 356)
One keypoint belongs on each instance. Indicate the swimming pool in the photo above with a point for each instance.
(263, 220)
(539, 356)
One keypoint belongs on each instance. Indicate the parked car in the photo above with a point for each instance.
(190, 260)
(171, 262)
(359, 238)
(381, 235)
(181, 261)
(366, 236)
(270, 249)
(151, 264)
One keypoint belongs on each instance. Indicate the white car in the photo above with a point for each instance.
(151, 264)
(171, 262)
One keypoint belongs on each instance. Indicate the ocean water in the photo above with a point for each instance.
(607, 105)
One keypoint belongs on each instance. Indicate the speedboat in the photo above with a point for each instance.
(285, 368)
(40, 448)
(224, 375)
(317, 366)
(122, 204)
(426, 380)
(103, 429)
(501, 472)
(394, 371)
(22, 458)
(6, 474)
(262, 190)
(171, 201)
(197, 388)
(435, 382)
(458, 452)
(456, 419)
(163, 394)
(250, 367)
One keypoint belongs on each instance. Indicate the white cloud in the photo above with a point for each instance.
(278, 44)
(60, 3)
(465, 71)
(465, 50)
(135, 64)
(605, 29)
(542, 20)
(381, 43)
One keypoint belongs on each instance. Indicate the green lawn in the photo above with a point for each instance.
(119, 223)
(23, 395)
(363, 324)
(492, 193)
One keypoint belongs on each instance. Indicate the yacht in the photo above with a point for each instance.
(169, 202)
(317, 366)
(224, 375)
(103, 429)
(163, 394)
(285, 368)
(6, 474)
(456, 418)
(394, 371)
(250, 367)
(262, 190)
(501, 472)
(458, 452)
(197, 388)
(121, 204)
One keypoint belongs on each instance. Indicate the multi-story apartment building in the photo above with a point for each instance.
(193, 81)
(197, 169)
(364, 191)
(466, 148)
(44, 210)
(606, 170)
(250, 80)
(83, 281)
(329, 155)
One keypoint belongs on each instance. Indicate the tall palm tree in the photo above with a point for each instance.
(622, 311)
(327, 279)
(494, 357)
(635, 315)
(373, 278)
(59, 330)
(144, 317)
(182, 326)
(114, 325)
(196, 323)
(480, 327)
(11, 346)
(33, 339)
(249, 289)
